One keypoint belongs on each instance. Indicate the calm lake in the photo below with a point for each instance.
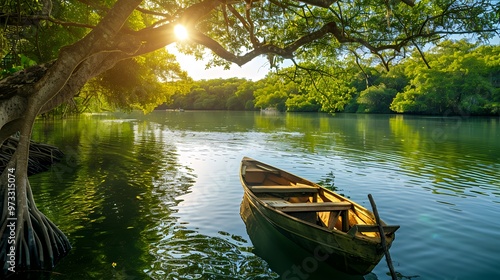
(158, 196)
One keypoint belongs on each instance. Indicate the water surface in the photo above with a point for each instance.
(159, 195)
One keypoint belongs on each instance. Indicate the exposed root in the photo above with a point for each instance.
(41, 156)
(39, 244)
(28, 239)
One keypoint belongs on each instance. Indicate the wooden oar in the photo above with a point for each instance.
(382, 238)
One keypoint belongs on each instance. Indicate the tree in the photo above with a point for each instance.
(376, 99)
(216, 94)
(273, 93)
(459, 81)
(235, 31)
(243, 97)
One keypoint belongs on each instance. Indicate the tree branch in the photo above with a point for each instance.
(410, 3)
(286, 52)
(70, 57)
(319, 3)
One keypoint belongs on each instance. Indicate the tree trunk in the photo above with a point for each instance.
(28, 239)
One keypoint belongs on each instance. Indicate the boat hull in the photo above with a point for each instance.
(351, 254)
(283, 255)
(336, 250)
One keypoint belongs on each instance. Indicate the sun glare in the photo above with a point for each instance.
(181, 32)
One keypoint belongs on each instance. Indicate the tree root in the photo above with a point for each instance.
(29, 241)
(41, 156)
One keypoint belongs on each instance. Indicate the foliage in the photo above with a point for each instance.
(273, 92)
(142, 83)
(302, 103)
(463, 79)
(139, 83)
(35, 40)
(381, 30)
(243, 97)
(327, 76)
(216, 94)
(376, 99)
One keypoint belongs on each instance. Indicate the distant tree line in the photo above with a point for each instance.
(457, 77)
(216, 94)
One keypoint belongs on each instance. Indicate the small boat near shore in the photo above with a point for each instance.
(334, 229)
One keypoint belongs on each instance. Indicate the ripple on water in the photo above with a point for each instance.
(194, 254)
(159, 195)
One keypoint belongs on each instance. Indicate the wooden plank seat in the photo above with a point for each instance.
(371, 228)
(284, 189)
(286, 206)
(259, 168)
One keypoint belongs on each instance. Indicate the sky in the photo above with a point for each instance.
(254, 70)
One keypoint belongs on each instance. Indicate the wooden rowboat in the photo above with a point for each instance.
(331, 227)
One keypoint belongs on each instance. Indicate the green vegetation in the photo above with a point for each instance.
(463, 78)
(333, 72)
(217, 94)
(136, 83)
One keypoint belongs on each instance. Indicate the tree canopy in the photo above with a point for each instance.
(464, 78)
(315, 35)
(462, 81)
(51, 49)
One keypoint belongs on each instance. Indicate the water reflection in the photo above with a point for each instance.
(159, 195)
(440, 150)
(115, 195)
(115, 183)
(191, 255)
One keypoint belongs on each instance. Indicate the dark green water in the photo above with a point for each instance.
(159, 195)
